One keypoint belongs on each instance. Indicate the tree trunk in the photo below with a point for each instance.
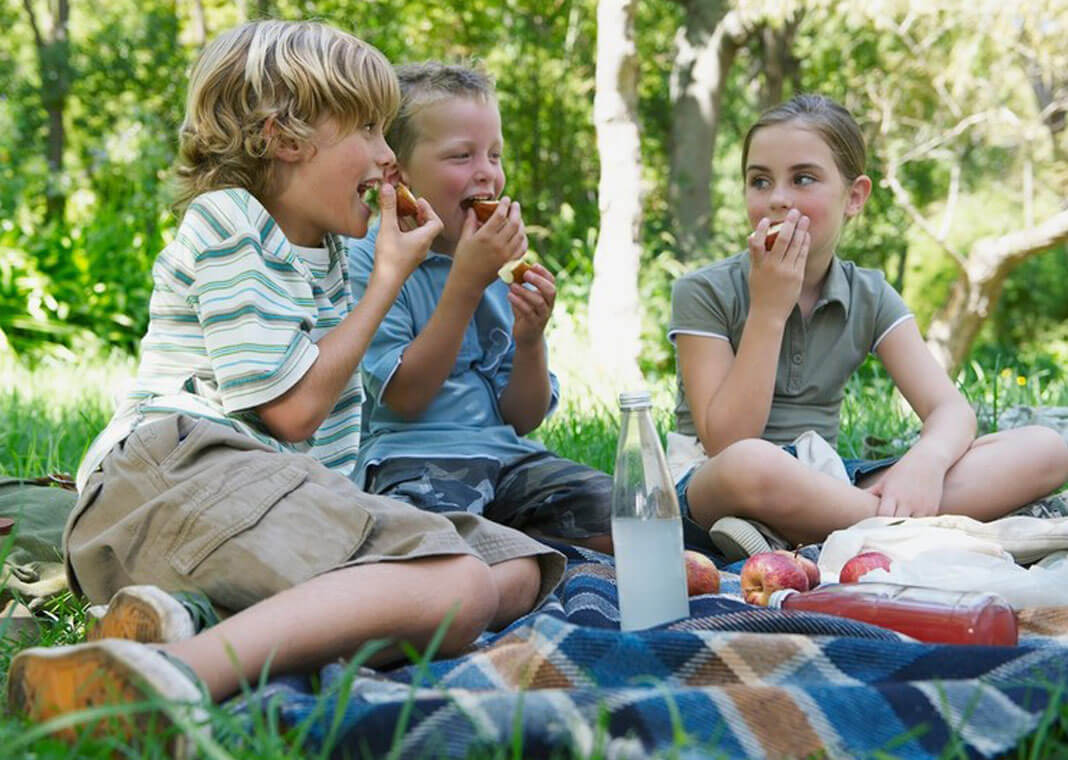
(200, 24)
(780, 63)
(53, 60)
(705, 47)
(614, 310)
(975, 294)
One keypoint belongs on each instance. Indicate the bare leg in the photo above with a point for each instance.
(332, 615)
(758, 480)
(1005, 470)
(518, 582)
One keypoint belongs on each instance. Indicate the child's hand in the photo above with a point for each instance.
(912, 487)
(399, 251)
(776, 276)
(532, 308)
(482, 250)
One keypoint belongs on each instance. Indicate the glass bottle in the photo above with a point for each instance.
(926, 614)
(646, 526)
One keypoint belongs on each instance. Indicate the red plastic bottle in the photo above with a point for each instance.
(926, 614)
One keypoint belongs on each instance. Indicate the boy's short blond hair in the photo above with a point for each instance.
(269, 81)
(427, 83)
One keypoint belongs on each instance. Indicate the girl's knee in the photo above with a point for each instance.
(747, 470)
(1052, 449)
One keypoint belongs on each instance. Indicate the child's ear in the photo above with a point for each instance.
(858, 195)
(283, 147)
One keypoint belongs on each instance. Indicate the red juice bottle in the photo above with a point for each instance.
(926, 614)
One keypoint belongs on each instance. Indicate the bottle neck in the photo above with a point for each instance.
(775, 601)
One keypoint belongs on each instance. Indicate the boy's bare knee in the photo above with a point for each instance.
(518, 585)
(471, 585)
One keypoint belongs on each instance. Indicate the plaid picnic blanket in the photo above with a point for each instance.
(732, 680)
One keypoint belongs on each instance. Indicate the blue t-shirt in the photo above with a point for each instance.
(464, 418)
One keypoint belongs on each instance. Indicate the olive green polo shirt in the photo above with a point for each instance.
(856, 309)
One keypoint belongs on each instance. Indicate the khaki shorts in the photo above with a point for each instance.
(191, 505)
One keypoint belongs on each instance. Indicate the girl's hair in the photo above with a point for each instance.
(825, 117)
(266, 82)
(423, 84)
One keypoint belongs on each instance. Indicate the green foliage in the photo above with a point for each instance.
(84, 280)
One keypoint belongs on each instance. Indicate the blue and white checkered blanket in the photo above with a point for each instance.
(730, 681)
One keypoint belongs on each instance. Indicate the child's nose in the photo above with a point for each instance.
(780, 197)
(384, 155)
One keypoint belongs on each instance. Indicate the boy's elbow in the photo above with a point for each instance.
(290, 424)
(404, 405)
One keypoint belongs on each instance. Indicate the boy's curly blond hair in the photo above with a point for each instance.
(265, 82)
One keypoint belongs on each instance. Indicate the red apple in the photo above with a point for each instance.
(812, 571)
(484, 208)
(514, 270)
(772, 235)
(406, 203)
(767, 572)
(864, 562)
(702, 575)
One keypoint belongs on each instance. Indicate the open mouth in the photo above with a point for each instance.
(471, 200)
(368, 192)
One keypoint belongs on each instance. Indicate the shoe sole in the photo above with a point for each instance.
(737, 539)
(45, 683)
(145, 614)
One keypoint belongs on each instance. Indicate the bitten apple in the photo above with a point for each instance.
(772, 235)
(863, 563)
(406, 203)
(812, 571)
(514, 270)
(767, 572)
(702, 575)
(484, 208)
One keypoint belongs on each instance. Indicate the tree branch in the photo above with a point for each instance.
(33, 24)
(901, 195)
(1020, 244)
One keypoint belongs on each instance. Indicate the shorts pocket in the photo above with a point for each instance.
(266, 528)
(217, 520)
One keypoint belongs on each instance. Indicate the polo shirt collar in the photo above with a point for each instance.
(836, 286)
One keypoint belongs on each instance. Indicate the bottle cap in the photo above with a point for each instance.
(777, 597)
(635, 400)
(6, 524)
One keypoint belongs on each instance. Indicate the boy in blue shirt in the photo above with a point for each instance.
(457, 372)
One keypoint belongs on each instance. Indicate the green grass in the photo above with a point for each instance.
(49, 415)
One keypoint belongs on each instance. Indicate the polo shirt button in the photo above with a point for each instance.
(797, 358)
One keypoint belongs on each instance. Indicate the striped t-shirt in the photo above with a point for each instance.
(235, 315)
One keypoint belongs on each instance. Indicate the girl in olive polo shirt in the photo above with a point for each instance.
(767, 339)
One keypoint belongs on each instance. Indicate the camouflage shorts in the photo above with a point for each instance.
(1051, 506)
(540, 493)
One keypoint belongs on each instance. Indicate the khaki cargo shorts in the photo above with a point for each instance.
(189, 504)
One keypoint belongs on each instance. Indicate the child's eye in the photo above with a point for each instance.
(371, 126)
(460, 156)
(804, 179)
(759, 183)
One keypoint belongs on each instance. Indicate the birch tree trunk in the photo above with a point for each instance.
(975, 294)
(614, 309)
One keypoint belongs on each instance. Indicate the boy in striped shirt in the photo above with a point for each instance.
(226, 470)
